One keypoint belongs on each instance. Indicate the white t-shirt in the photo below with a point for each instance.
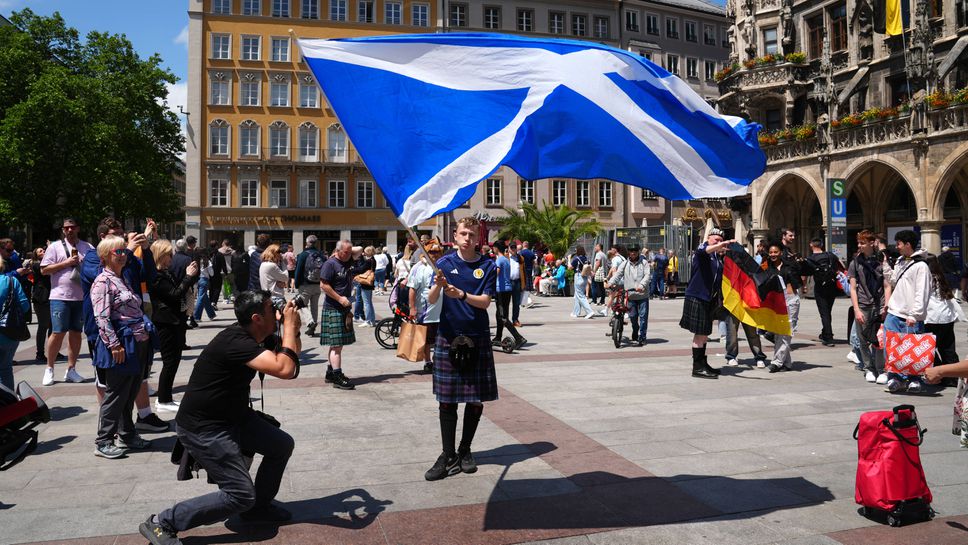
(381, 261)
(421, 279)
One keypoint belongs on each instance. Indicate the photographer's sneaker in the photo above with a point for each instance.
(73, 376)
(109, 451)
(157, 534)
(48, 377)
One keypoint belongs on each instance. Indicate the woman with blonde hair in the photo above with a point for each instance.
(122, 351)
(166, 295)
(272, 277)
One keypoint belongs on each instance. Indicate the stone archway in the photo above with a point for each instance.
(875, 182)
(951, 175)
(793, 202)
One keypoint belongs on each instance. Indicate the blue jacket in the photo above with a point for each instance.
(560, 276)
(18, 296)
(13, 263)
(706, 283)
(134, 273)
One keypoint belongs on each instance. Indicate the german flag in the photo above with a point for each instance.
(890, 16)
(754, 295)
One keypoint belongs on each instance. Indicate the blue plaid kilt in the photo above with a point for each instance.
(697, 316)
(333, 330)
(470, 386)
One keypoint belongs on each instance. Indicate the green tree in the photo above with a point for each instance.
(557, 227)
(84, 130)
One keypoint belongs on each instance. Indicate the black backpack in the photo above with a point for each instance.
(825, 275)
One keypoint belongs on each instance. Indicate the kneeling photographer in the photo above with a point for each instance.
(216, 423)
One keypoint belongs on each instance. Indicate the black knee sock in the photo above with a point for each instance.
(448, 427)
(698, 357)
(472, 417)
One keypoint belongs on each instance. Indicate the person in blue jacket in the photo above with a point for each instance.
(8, 347)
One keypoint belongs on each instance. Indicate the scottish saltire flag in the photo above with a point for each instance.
(434, 114)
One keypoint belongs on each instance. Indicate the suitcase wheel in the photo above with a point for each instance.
(893, 521)
(507, 345)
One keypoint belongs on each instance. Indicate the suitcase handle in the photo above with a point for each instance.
(903, 407)
(921, 432)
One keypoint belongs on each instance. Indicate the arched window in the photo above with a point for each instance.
(308, 142)
(218, 133)
(279, 139)
(249, 139)
(336, 139)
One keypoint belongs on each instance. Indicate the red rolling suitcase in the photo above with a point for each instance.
(890, 479)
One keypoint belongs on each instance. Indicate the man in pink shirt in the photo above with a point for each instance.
(62, 262)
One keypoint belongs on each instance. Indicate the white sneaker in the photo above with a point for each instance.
(574, 315)
(760, 364)
(602, 313)
(72, 376)
(171, 407)
(48, 377)
(363, 324)
(871, 377)
(852, 357)
(590, 316)
(882, 378)
(732, 362)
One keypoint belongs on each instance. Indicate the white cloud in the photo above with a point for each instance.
(182, 37)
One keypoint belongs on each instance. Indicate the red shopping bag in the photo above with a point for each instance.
(909, 353)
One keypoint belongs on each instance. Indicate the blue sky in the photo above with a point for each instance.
(153, 26)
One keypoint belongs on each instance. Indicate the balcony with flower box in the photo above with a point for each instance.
(766, 73)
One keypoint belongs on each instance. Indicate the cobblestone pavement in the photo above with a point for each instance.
(587, 445)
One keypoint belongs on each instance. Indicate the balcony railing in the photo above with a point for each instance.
(327, 155)
(766, 76)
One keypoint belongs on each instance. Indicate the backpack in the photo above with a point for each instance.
(825, 274)
(314, 264)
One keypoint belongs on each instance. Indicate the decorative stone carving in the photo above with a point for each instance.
(220, 76)
(863, 24)
(307, 78)
(749, 30)
(786, 26)
(250, 77)
(280, 78)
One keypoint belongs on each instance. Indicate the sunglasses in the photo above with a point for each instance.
(69, 227)
(118, 252)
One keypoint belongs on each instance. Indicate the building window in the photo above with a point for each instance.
(458, 15)
(279, 194)
(218, 138)
(672, 28)
(556, 22)
(310, 9)
(578, 25)
(364, 11)
(249, 93)
(364, 194)
(649, 195)
(709, 34)
(250, 48)
(647, 54)
(652, 23)
(419, 15)
(672, 64)
(279, 139)
(280, 50)
(218, 192)
(492, 17)
(710, 69)
(526, 191)
(815, 34)
(336, 137)
(692, 34)
(769, 41)
(249, 193)
(249, 139)
(337, 10)
(337, 194)
(724, 36)
(221, 92)
(279, 93)
(774, 119)
(526, 20)
(308, 142)
(308, 95)
(601, 27)
(692, 68)
(251, 7)
(604, 194)
(308, 193)
(838, 28)
(583, 193)
(393, 13)
(493, 192)
(222, 7)
(221, 46)
(631, 20)
(280, 8)
(559, 192)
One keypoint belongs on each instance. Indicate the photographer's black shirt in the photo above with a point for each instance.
(218, 390)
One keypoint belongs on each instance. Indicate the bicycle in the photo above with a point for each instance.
(619, 309)
(387, 330)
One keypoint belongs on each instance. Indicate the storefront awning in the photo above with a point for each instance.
(956, 53)
(853, 84)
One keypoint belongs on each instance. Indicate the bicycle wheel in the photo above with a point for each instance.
(386, 334)
(617, 325)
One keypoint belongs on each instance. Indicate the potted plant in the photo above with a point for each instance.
(796, 57)
(804, 132)
(767, 139)
(887, 113)
(938, 99)
(785, 134)
(871, 114)
(750, 64)
(960, 96)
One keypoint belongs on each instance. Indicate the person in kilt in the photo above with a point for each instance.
(336, 321)
(466, 282)
(704, 295)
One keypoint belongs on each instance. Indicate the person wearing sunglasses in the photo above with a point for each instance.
(122, 351)
(61, 262)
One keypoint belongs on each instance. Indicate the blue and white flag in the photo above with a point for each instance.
(434, 114)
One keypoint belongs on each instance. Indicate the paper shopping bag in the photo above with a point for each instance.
(909, 353)
(412, 344)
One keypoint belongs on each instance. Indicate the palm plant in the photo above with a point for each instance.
(557, 227)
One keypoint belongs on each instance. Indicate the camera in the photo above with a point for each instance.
(301, 301)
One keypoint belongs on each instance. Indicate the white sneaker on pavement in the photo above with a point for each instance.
(882, 378)
(73, 376)
(732, 362)
(171, 407)
(852, 357)
(574, 315)
(591, 315)
(48, 376)
(760, 364)
(871, 377)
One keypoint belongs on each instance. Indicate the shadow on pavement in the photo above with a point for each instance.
(63, 413)
(50, 445)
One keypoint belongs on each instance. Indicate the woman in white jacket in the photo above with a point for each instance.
(272, 277)
(943, 312)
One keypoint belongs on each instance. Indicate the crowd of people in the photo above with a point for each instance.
(133, 294)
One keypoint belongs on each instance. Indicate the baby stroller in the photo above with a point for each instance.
(387, 330)
(20, 413)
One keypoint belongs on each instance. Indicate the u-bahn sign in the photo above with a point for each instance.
(837, 217)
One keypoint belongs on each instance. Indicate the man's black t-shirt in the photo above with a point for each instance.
(339, 276)
(218, 390)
